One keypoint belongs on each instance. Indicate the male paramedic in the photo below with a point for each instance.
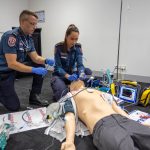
(110, 126)
(15, 45)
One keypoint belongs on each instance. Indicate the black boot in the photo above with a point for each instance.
(35, 99)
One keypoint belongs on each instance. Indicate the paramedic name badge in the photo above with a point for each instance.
(11, 41)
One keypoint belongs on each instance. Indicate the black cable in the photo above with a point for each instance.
(26, 112)
(119, 38)
(77, 93)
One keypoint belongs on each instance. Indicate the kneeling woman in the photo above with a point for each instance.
(68, 63)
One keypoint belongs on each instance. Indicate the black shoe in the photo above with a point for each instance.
(36, 100)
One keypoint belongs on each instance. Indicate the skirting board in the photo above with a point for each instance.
(137, 78)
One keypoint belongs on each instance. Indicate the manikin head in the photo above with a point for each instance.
(76, 85)
(54, 110)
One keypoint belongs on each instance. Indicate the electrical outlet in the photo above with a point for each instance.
(122, 68)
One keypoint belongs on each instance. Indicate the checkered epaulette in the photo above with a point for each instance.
(78, 45)
(13, 32)
(59, 44)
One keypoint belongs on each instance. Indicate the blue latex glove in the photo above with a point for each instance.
(49, 61)
(73, 77)
(40, 71)
(82, 76)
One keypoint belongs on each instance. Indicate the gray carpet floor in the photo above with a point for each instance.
(35, 139)
(23, 85)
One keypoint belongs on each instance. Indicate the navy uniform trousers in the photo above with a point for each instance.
(60, 85)
(116, 132)
(8, 96)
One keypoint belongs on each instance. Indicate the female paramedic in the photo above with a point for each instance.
(68, 63)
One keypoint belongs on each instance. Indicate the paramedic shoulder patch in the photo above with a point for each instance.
(11, 41)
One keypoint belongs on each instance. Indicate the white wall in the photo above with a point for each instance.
(9, 13)
(135, 37)
(98, 22)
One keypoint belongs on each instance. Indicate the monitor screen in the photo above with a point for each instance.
(128, 94)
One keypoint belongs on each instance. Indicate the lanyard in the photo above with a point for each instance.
(25, 43)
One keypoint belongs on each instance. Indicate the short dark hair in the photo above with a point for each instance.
(25, 13)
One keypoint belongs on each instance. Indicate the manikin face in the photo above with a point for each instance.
(29, 25)
(72, 39)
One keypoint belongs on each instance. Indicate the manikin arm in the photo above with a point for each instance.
(118, 110)
(70, 132)
(123, 113)
(146, 124)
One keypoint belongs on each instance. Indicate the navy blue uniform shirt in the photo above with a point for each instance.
(68, 62)
(14, 42)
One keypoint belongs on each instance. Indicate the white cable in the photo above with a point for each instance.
(63, 92)
(91, 78)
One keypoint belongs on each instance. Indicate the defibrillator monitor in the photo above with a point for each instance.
(128, 94)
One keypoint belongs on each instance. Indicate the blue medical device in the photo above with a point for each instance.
(128, 94)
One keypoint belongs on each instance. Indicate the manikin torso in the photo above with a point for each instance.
(91, 107)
